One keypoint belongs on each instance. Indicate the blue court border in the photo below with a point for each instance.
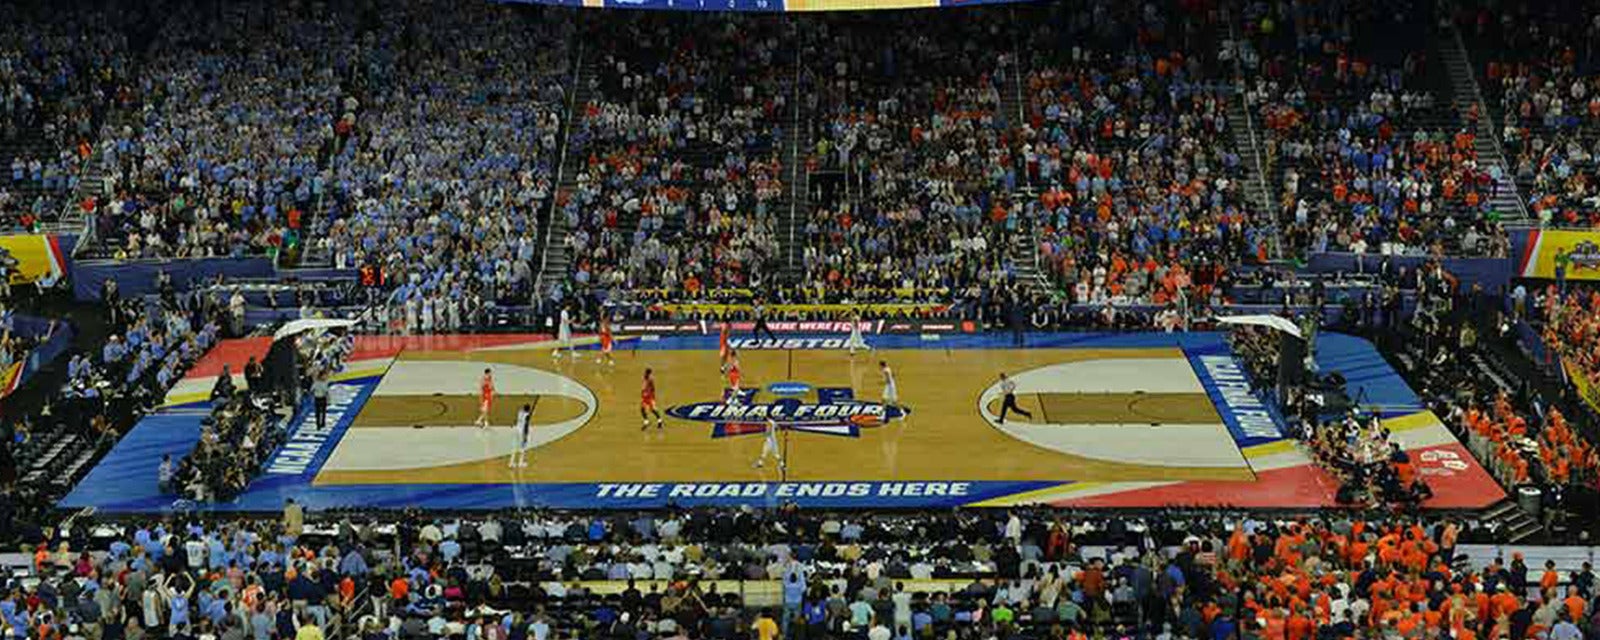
(125, 481)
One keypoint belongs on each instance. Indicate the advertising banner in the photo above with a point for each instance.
(1586, 389)
(138, 277)
(37, 257)
(1547, 253)
(840, 328)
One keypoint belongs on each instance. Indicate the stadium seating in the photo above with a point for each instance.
(460, 167)
(60, 78)
(1366, 148)
(1538, 82)
(677, 155)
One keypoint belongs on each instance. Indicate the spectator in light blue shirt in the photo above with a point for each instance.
(353, 563)
(113, 351)
(450, 549)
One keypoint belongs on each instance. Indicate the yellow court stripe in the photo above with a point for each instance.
(1268, 449)
(1038, 495)
(201, 396)
(1410, 422)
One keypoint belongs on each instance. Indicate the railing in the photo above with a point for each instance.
(1486, 123)
(561, 165)
(1264, 192)
(796, 191)
(1016, 82)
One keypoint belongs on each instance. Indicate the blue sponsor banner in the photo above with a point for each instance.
(58, 341)
(842, 494)
(138, 277)
(788, 388)
(309, 445)
(267, 495)
(1249, 417)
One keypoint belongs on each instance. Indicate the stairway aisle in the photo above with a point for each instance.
(793, 207)
(1466, 95)
(1256, 187)
(555, 261)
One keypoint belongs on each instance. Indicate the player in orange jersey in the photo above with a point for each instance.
(723, 350)
(734, 376)
(485, 398)
(647, 402)
(605, 341)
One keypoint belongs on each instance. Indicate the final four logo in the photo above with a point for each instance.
(834, 412)
(1584, 255)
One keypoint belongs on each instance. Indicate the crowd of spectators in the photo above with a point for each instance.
(1127, 137)
(453, 158)
(343, 139)
(923, 158)
(153, 342)
(1545, 451)
(96, 395)
(1366, 155)
(677, 154)
(1538, 69)
(1569, 327)
(233, 114)
(60, 74)
(964, 574)
(362, 135)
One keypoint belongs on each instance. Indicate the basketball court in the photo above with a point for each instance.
(1117, 420)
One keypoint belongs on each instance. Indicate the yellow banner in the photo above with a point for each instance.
(8, 379)
(1550, 249)
(1586, 389)
(36, 257)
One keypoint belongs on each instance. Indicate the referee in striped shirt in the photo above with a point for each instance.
(1009, 387)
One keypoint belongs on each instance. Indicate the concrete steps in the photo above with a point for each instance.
(1466, 96)
(1259, 192)
(795, 204)
(557, 259)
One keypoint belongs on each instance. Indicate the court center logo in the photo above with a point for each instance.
(833, 411)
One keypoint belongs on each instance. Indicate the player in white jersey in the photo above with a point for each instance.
(519, 457)
(563, 333)
(769, 447)
(891, 392)
(856, 342)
